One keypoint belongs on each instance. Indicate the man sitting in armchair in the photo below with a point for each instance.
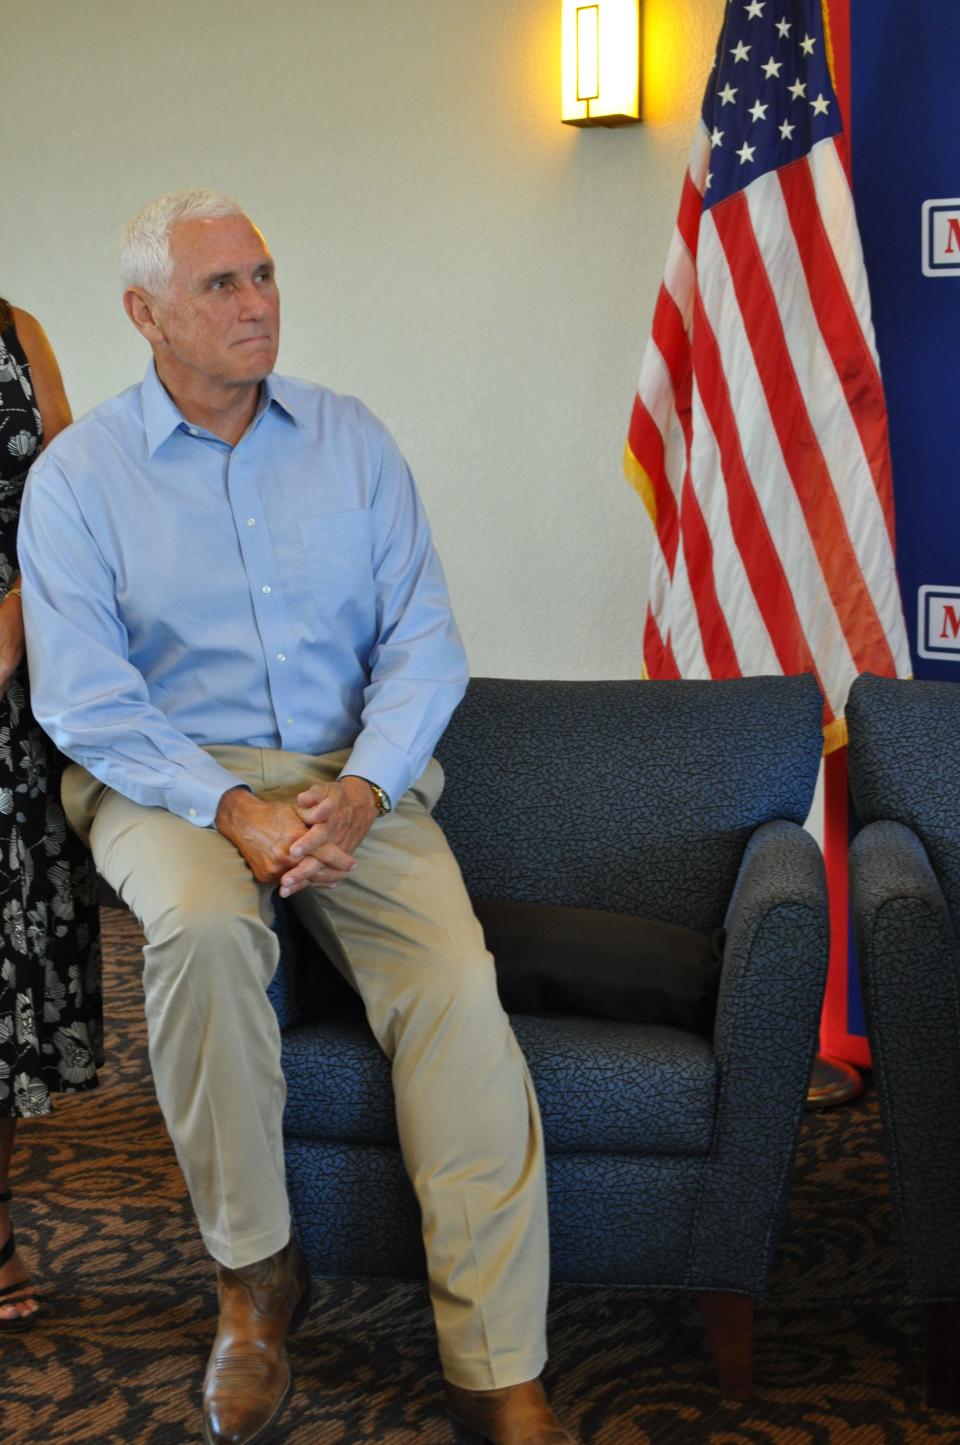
(239, 632)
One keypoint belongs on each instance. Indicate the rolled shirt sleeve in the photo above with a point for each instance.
(84, 691)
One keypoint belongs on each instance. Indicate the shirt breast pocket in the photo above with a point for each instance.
(339, 554)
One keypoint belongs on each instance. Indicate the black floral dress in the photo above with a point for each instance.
(51, 1030)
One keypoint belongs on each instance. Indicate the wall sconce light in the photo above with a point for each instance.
(601, 62)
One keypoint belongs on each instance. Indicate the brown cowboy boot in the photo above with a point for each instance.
(515, 1415)
(248, 1378)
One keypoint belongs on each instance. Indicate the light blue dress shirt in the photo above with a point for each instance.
(281, 593)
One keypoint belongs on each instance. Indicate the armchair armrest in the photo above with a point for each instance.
(768, 1012)
(910, 965)
(781, 880)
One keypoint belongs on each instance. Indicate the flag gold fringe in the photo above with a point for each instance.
(637, 477)
(825, 8)
(835, 735)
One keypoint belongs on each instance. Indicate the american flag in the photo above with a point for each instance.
(758, 439)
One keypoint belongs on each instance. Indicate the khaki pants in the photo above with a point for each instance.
(401, 930)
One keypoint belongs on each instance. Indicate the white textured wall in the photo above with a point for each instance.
(481, 275)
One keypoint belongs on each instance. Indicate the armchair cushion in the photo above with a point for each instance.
(597, 964)
(603, 1087)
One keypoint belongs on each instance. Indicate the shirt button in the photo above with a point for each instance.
(289, 722)
(192, 812)
(281, 657)
(193, 431)
(251, 521)
(264, 589)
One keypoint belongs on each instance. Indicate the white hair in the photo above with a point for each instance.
(145, 258)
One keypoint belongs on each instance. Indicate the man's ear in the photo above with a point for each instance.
(139, 306)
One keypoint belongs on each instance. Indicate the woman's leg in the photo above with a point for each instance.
(13, 1271)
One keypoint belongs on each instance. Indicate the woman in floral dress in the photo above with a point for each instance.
(51, 1031)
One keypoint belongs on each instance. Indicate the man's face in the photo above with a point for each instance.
(220, 312)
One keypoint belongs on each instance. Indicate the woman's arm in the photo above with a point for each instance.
(47, 381)
(51, 400)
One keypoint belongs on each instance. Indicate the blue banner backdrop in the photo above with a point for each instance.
(906, 176)
(897, 81)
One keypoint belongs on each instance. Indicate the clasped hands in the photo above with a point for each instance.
(306, 844)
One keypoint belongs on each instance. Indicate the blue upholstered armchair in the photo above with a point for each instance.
(905, 889)
(669, 1153)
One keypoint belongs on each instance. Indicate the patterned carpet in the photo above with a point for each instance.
(102, 1213)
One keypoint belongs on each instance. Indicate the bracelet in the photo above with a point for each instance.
(13, 592)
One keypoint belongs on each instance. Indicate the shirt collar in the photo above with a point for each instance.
(162, 416)
(286, 398)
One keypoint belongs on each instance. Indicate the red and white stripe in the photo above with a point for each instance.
(759, 441)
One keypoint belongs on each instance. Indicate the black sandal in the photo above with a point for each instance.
(14, 1293)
